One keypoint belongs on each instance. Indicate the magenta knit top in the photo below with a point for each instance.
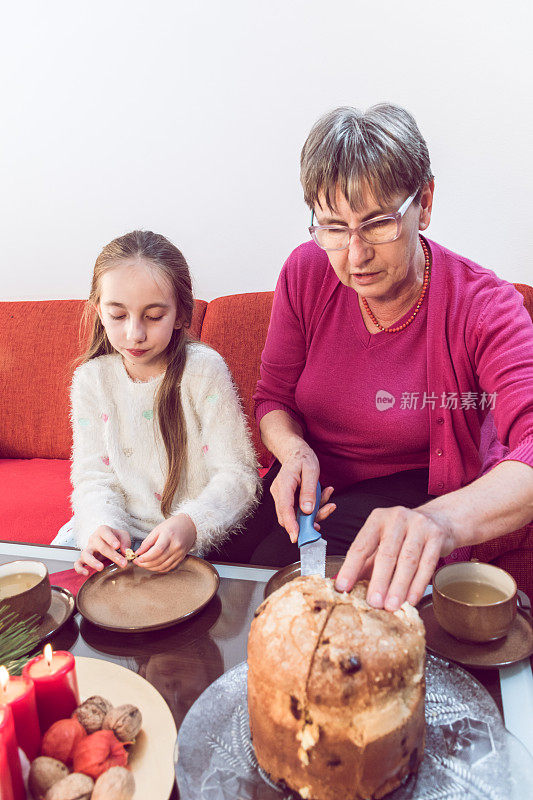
(353, 391)
(453, 391)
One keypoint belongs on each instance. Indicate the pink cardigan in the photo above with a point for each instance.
(479, 339)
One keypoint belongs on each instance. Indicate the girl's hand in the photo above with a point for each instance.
(167, 545)
(401, 548)
(105, 541)
(299, 469)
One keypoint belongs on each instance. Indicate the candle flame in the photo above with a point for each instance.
(4, 678)
(48, 654)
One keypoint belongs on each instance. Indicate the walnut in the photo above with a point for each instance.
(73, 787)
(130, 555)
(44, 772)
(92, 712)
(116, 784)
(125, 722)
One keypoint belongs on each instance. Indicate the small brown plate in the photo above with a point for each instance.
(135, 599)
(286, 574)
(61, 609)
(518, 643)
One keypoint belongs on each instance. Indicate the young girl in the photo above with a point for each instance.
(162, 457)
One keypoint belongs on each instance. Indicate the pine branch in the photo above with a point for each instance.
(18, 637)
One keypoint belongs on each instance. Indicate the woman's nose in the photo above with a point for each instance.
(359, 251)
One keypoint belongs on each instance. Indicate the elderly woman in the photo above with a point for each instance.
(397, 372)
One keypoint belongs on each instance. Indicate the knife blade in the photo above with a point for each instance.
(312, 546)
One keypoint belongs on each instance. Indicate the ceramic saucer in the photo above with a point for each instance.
(518, 643)
(61, 609)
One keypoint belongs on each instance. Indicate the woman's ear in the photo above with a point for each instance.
(178, 324)
(426, 204)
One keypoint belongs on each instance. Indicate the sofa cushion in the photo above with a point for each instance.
(39, 342)
(35, 498)
(237, 326)
(527, 293)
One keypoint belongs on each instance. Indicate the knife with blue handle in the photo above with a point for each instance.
(312, 546)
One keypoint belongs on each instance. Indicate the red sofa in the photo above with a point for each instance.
(39, 341)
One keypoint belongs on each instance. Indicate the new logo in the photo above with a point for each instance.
(384, 400)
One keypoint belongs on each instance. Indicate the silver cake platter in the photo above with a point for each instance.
(469, 754)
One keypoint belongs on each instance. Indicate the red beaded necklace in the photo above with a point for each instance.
(425, 285)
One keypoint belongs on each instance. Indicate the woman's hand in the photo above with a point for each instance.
(400, 547)
(299, 469)
(108, 542)
(168, 544)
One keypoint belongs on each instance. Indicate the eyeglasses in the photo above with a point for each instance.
(378, 230)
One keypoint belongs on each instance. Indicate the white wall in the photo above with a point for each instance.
(188, 118)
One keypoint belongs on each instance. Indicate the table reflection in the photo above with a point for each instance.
(181, 676)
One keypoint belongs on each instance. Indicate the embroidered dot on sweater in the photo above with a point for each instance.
(105, 417)
(157, 496)
(83, 422)
(148, 414)
(205, 448)
(212, 398)
(105, 459)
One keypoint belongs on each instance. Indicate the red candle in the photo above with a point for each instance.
(56, 685)
(19, 694)
(6, 787)
(9, 743)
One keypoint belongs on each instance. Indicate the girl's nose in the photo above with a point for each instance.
(136, 332)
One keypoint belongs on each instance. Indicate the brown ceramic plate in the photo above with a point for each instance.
(134, 599)
(61, 609)
(518, 643)
(286, 574)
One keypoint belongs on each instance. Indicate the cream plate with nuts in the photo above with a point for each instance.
(151, 758)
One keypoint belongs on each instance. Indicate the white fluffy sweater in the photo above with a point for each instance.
(119, 462)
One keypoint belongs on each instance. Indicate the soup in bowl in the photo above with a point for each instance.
(474, 602)
(25, 588)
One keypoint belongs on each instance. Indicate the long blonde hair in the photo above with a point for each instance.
(163, 254)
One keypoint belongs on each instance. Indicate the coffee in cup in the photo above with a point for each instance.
(474, 602)
(25, 588)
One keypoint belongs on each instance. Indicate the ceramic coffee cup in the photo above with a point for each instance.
(25, 602)
(474, 602)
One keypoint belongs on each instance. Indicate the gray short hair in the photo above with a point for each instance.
(381, 150)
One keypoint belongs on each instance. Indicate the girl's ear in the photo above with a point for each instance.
(178, 324)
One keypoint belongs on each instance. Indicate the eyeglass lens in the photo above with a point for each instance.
(338, 237)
